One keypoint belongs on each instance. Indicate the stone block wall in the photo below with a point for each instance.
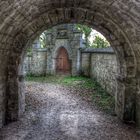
(85, 64)
(104, 69)
(43, 61)
(3, 86)
(2, 102)
(101, 64)
(35, 63)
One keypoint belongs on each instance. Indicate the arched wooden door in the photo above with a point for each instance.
(63, 64)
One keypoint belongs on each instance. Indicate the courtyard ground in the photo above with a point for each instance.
(67, 109)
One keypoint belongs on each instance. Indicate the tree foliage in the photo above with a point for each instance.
(100, 43)
(86, 31)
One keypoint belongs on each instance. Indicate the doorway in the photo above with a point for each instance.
(63, 64)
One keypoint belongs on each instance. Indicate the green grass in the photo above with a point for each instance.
(64, 80)
(100, 97)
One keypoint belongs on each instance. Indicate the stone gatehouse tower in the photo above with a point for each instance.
(61, 54)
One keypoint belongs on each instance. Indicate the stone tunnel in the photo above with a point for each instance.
(21, 21)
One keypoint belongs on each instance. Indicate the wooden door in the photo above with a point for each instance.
(62, 62)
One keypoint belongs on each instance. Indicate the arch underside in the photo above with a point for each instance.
(117, 20)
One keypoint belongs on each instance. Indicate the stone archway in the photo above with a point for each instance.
(63, 65)
(23, 21)
(59, 44)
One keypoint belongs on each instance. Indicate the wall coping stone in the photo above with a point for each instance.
(98, 50)
(40, 49)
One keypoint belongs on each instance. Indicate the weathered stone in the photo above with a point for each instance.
(101, 64)
(43, 61)
(120, 18)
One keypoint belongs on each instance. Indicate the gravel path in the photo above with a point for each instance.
(54, 112)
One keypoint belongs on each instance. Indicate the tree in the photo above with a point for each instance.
(86, 31)
(100, 43)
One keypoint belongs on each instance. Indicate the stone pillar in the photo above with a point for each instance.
(130, 99)
(2, 101)
(21, 90)
(3, 77)
(50, 62)
(125, 99)
(15, 103)
(138, 94)
(138, 104)
(76, 46)
(79, 61)
(74, 71)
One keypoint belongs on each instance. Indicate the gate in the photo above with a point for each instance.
(63, 64)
